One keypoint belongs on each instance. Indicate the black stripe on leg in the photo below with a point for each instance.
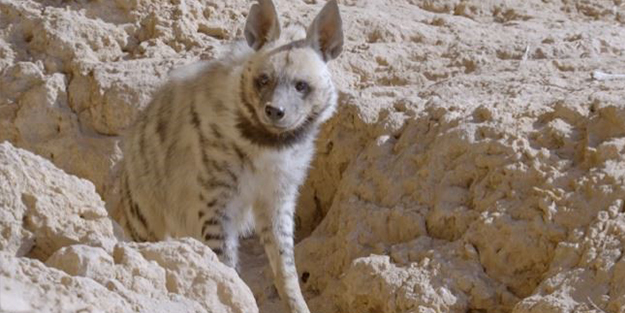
(210, 222)
(204, 226)
(209, 236)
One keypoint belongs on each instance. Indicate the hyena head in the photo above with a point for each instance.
(287, 88)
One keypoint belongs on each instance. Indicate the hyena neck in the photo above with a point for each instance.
(256, 135)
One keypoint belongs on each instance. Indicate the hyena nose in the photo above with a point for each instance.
(273, 113)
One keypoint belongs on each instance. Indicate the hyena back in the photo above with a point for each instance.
(223, 146)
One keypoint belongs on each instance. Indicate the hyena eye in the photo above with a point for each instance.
(262, 80)
(302, 87)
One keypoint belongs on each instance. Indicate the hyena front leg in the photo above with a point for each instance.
(216, 229)
(274, 224)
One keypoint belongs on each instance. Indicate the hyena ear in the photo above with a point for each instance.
(325, 34)
(262, 24)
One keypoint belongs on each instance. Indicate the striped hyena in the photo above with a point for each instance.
(223, 146)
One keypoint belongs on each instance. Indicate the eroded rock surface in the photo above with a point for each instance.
(58, 253)
(475, 163)
(43, 209)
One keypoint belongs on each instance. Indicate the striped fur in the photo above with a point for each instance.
(204, 160)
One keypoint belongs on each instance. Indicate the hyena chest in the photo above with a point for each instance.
(260, 183)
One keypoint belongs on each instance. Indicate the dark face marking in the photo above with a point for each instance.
(303, 88)
(264, 86)
(254, 131)
(262, 81)
(248, 105)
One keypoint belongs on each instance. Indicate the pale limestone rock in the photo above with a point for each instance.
(107, 96)
(27, 285)
(43, 209)
(586, 274)
(48, 215)
(476, 211)
(159, 277)
(174, 276)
